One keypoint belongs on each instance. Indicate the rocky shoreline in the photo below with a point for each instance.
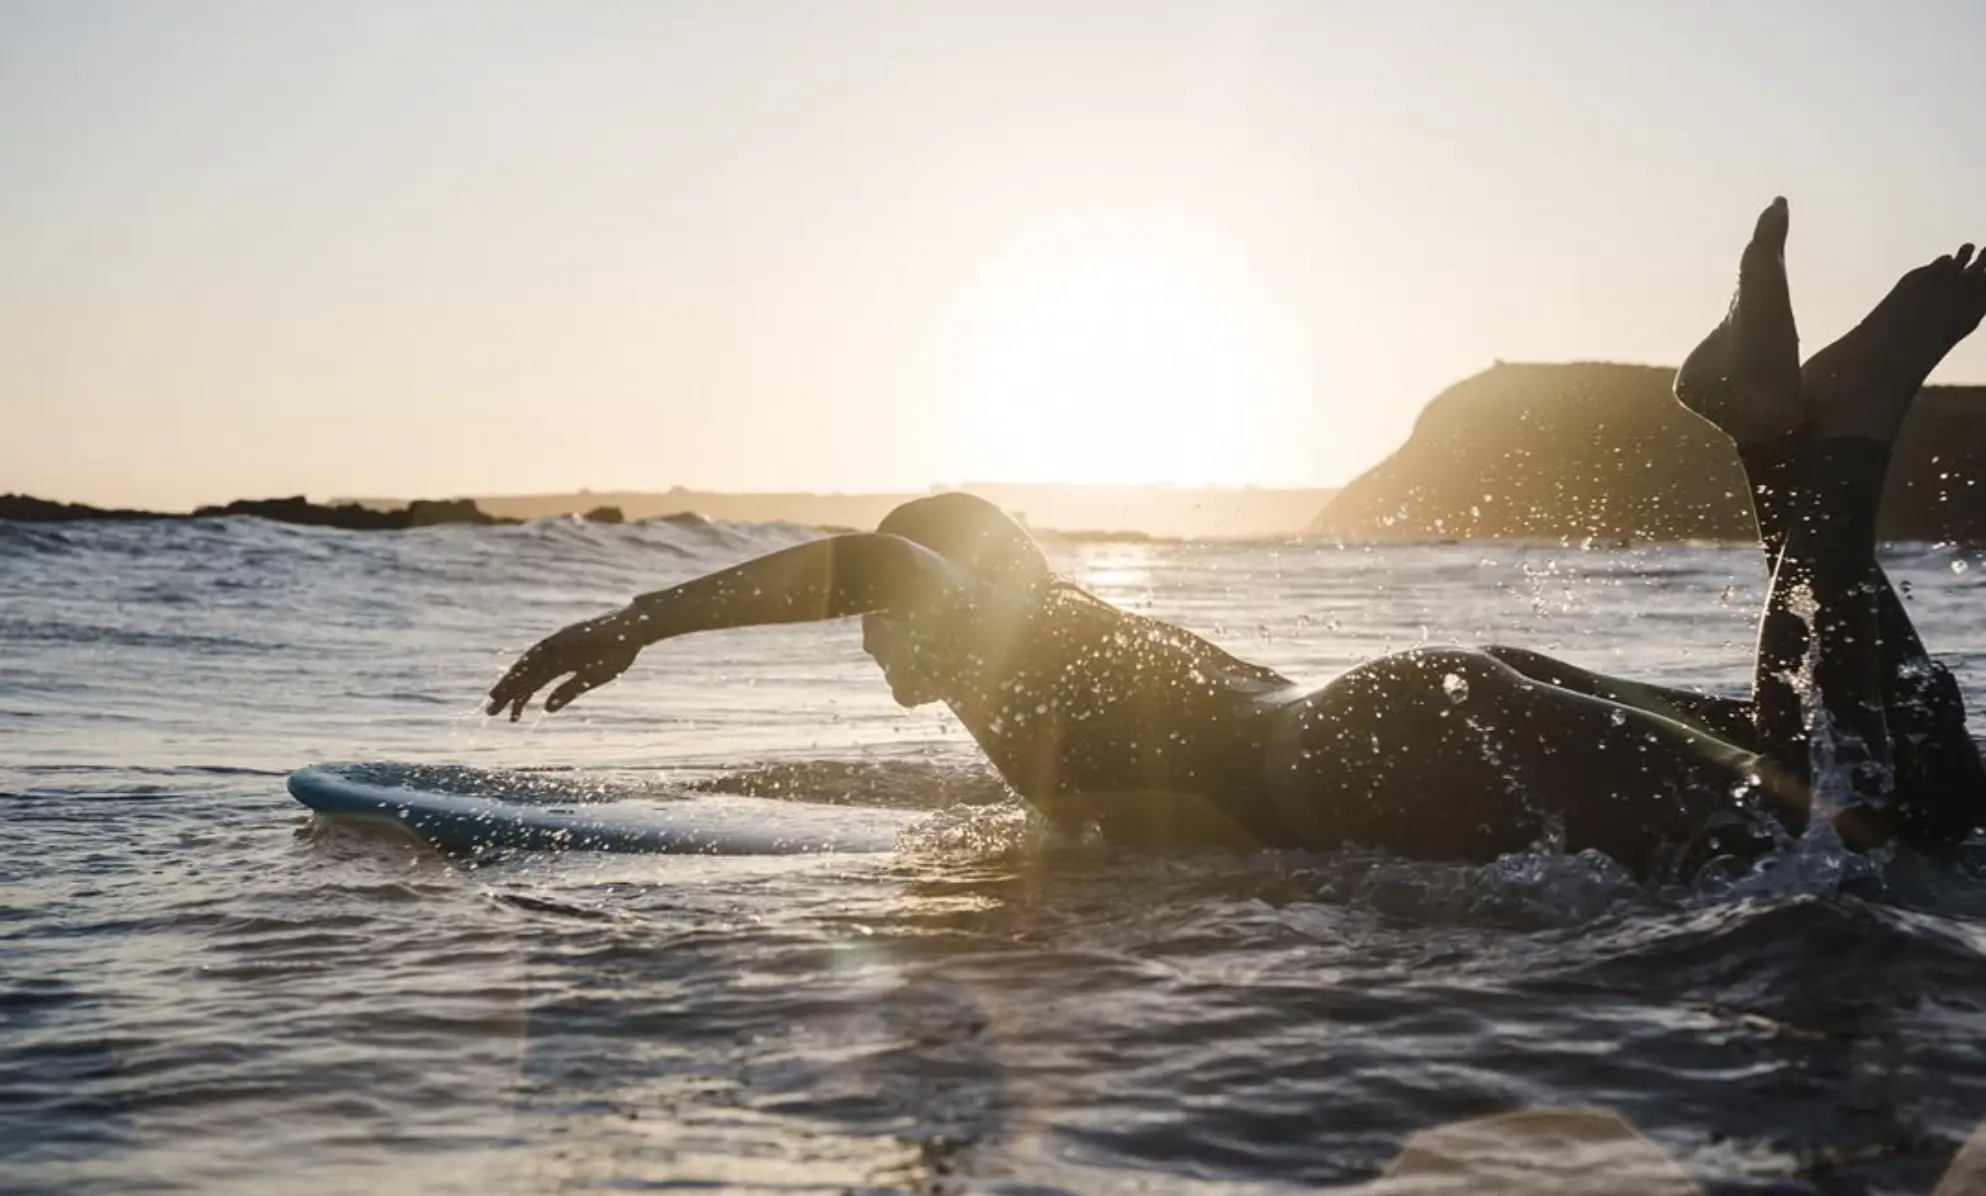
(350, 516)
(24, 508)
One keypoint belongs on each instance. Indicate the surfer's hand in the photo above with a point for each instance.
(594, 652)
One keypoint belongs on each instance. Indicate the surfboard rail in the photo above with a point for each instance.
(499, 819)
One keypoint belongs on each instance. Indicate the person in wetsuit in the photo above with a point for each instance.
(1100, 718)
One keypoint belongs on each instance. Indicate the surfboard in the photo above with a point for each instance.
(469, 811)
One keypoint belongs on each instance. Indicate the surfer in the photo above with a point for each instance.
(1104, 719)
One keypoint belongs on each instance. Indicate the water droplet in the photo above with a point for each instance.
(1456, 688)
(1618, 717)
(1959, 566)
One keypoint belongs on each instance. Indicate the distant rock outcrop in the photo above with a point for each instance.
(1555, 452)
(350, 516)
(26, 508)
(422, 512)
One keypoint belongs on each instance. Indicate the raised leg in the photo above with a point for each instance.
(1817, 671)
(1829, 671)
(1933, 751)
(1743, 380)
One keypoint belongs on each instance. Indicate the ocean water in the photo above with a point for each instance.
(203, 987)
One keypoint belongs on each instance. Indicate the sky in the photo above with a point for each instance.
(433, 247)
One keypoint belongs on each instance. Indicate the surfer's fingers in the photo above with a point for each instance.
(526, 675)
(502, 694)
(529, 685)
(533, 671)
(517, 705)
(514, 699)
(593, 676)
(516, 693)
(559, 698)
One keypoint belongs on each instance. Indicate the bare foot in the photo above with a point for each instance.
(1972, 284)
(1745, 376)
(1862, 384)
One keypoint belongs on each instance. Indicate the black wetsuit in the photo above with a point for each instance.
(1105, 718)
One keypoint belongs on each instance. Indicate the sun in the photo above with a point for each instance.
(1107, 369)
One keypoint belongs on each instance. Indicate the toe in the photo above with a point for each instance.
(1964, 256)
(1930, 272)
(1770, 231)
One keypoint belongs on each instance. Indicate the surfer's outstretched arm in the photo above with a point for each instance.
(854, 574)
(825, 579)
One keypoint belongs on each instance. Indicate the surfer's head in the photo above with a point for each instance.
(979, 539)
(972, 534)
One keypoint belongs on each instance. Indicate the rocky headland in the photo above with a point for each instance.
(1601, 451)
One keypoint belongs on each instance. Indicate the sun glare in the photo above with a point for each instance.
(1108, 371)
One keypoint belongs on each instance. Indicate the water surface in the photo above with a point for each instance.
(204, 988)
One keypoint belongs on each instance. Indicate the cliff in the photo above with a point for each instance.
(1557, 452)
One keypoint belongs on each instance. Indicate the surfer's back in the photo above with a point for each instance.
(1083, 700)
